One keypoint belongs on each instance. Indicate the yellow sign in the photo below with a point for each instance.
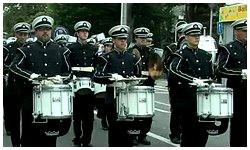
(232, 13)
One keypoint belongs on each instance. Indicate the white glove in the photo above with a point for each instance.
(74, 77)
(117, 77)
(199, 82)
(132, 83)
(244, 73)
(34, 75)
(57, 79)
(212, 85)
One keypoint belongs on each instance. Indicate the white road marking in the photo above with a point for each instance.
(162, 103)
(164, 111)
(163, 93)
(158, 137)
(159, 89)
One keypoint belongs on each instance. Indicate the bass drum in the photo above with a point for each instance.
(215, 127)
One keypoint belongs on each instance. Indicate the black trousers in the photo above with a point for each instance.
(15, 121)
(100, 105)
(31, 135)
(238, 137)
(118, 130)
(7, 111)
(193, 134)
(83, 116)
(175, 115)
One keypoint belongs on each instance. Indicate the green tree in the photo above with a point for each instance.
(20, 12)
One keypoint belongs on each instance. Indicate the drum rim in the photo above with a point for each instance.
(54, 117)
(54, 86)
(215, 89)
(217, 117)
(83, 78)
(138, 88)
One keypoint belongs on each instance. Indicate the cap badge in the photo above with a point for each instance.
(123, 30)
(44, 19)
(195, 26)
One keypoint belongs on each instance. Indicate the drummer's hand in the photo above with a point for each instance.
(131, 83)
(34, 75)
(199, 82)
(57, 79)
(74, 77)
(244, 72)
(117, 77)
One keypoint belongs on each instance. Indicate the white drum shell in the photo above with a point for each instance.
(138, 101)
(52, 101)
(216, 103)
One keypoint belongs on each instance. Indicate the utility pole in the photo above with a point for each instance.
(211, 6)
(123, 20)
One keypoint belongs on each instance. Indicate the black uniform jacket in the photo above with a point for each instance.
(14, 85)
(146, 53)
(170, 49)
(187, 64)
(83, 55)
(120, 62)
(47, 59)
(232, 58)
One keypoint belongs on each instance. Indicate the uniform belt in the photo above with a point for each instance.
(86, 69)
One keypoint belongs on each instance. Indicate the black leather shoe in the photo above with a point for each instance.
(77, 142)
(175, 140)
(8, 133)
(135, 142)
(16, 145)
(144, 141)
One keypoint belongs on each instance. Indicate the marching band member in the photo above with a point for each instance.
(232, 64)
(107, 45)
(141, 49)
(61, 39)
(190, 65)
(175, 117)
(117, 64)
(41, 58)
(82, 56)
(149, 39)
(14, 85)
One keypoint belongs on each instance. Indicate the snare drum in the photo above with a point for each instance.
(135, 102)
(99, 90)
(83, 86)
(215, 102)
(52, 101)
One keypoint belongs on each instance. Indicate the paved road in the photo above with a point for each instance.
(158, 134)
